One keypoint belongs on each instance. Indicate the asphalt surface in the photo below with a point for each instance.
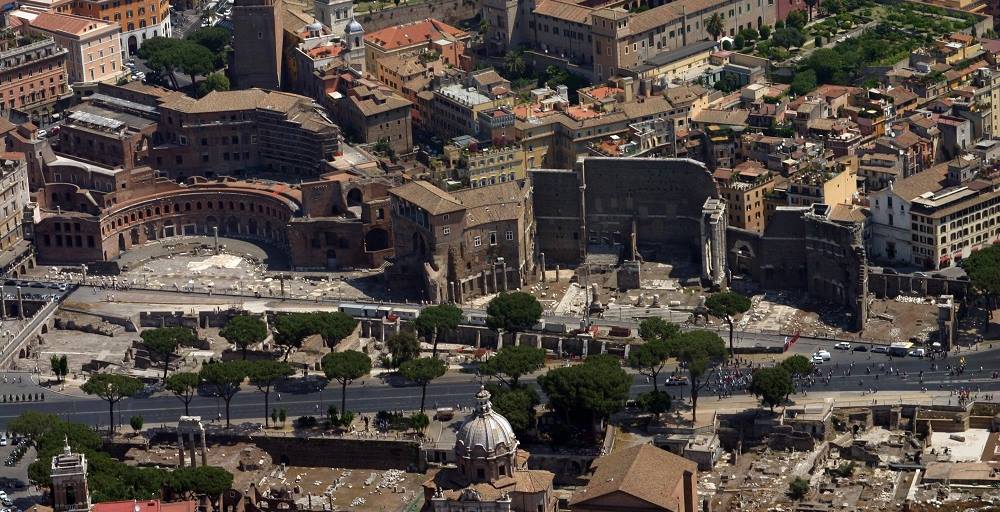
(374, 394)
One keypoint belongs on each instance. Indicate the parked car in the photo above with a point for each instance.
(879, 350)
(843, 345)
(860, 348)
(42, 134)
(918, 352)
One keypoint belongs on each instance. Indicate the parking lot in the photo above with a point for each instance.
(14, 479)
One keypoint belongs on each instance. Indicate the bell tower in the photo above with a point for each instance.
(69, 481)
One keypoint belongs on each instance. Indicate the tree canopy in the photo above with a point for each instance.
(983, 269)
(772, 385)
(422, 371)
(344, 367)
(403, 346)
(334, 326)
(655, 328)
(265, 374)
(515, 404)
(226, 377)
(291, 329)
(434, 319)
(111, 388)
(587, 392)
(213, 82)
(244, 331)
(513, 361)
(188, 482)
(166, 55)
(700, 350)
(184, 385)
(163, 342)
(727, 304)
(513, 311)
(649, 359)
(798, 365)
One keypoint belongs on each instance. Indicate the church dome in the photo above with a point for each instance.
(354, 27)
(486, 434)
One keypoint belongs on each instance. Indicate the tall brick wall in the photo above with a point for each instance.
(556, 199)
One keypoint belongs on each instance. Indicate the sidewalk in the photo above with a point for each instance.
(709, 404)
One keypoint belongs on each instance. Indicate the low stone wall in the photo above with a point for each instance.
(448, 11)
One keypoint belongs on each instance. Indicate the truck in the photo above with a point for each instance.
(900, 348)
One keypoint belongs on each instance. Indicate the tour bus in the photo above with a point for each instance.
(900, 348)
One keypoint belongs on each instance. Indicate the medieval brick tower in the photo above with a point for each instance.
(69, 482)
(257, 39)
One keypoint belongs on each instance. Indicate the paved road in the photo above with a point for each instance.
(374, 394)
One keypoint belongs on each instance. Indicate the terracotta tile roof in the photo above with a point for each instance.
(374, 101)
(724, 117)
(68, 24)
(931, 180)
(564, 11)
(428, 197)
(643, 471)
(410, 34)
(146, 506)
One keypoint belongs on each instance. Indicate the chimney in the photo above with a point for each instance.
(629, 85)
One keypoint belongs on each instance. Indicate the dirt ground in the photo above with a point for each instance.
(341, 489)
(888, 320)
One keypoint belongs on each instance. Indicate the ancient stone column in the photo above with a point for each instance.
(204, 449)
(541, 260)
(503, 265)
(192, 448)
(479, 338)
(559, 347)
(180, 448)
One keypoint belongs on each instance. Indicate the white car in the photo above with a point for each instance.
(817, 359)
(843, 345)
(824, 354)
(918, 352)
(42, 134)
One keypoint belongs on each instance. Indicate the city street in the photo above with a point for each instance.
(373, 394)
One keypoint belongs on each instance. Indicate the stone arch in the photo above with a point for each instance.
(355, 197)
(376, 239)
(121, 241)
(252, 226)
(134, 236)
(232, 226)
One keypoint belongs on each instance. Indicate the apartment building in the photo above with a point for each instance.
(457, 245)
(108, 131)
(608, 39)
(427, 35)
(33, 76)
(94, 46)
(138, 20)
(226, 133)
(936, 218)
(13, 198)
(836, 185)
(372, 113)
(482, 163)
(456, 107)
(745, 190)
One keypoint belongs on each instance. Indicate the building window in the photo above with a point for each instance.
(446, 230)
(510, 236)
(477, 241)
